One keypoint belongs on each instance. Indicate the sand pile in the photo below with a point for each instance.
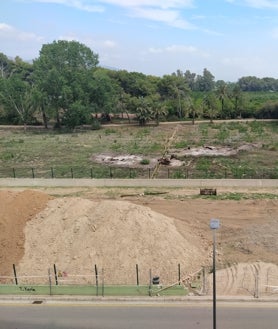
(76, 233)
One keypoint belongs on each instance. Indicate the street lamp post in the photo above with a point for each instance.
(214, 225)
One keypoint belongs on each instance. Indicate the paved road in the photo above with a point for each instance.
(169, 316)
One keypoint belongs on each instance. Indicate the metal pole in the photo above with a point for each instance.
(50, 284)
(137, 275)
(15, 276)
(214, 225)
(214, 283)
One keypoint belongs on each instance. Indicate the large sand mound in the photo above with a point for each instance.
(76, 233)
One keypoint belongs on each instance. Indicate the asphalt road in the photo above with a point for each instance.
(171, 316)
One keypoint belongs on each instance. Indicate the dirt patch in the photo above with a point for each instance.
(16, 208)
(213, 150)
(174, 158)
(251, 279)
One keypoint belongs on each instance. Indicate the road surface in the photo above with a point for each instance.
(168, 316)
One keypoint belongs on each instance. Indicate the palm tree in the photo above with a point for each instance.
(143, 111)
(237, 95)
(194, 109)
(158, 110)
(210, 106)
(222, 95)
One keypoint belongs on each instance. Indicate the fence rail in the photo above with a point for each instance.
(129, 173)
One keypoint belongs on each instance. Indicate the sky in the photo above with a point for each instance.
(230, 38)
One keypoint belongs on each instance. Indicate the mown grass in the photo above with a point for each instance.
(47, 153)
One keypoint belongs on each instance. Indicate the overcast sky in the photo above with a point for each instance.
(231, 38)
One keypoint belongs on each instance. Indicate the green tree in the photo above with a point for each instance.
(62, 71)
(143, 111)
(76, 115)
(205, 82)
(5, 66)
(104, 93)
(190, 79)
(210, 106)
(194, 108)
(123, 104)
(158, 108)
(17, 97)
(237, 99)
(222, 95)
(174, 89)
(135, 84)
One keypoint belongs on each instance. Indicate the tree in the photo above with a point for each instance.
(158, 108)
(205, 82)
(190, 79)
(194, 108)
(104, 93)
(40, 102)
(76, 115)
(237, 97)
(17, 98)
(143, 111)
(222, 94)
(251, 83)
(135, 84)
(62, 72)
(210, 106)
(123, 104)
(5, 66)
(173, 87)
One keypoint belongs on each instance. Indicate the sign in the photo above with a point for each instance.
(214, 224)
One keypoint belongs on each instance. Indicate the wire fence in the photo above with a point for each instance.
(129, 173)
(246, 280)
(123, 275)
(97, 282)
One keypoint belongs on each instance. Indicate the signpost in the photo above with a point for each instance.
(214, 225)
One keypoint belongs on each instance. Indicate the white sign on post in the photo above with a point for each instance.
(214, 224)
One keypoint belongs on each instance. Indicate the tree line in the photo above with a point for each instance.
(66, 86)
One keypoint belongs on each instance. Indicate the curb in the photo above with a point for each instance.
(133, 300)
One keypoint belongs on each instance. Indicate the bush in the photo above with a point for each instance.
(145, 162)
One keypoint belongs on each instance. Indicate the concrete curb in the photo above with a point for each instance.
(134, 300)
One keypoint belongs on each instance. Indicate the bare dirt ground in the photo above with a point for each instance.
(174, 157)
(117, 228)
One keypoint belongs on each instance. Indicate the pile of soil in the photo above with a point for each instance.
(76, 233)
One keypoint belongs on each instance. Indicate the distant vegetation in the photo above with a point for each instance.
(65, 87)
